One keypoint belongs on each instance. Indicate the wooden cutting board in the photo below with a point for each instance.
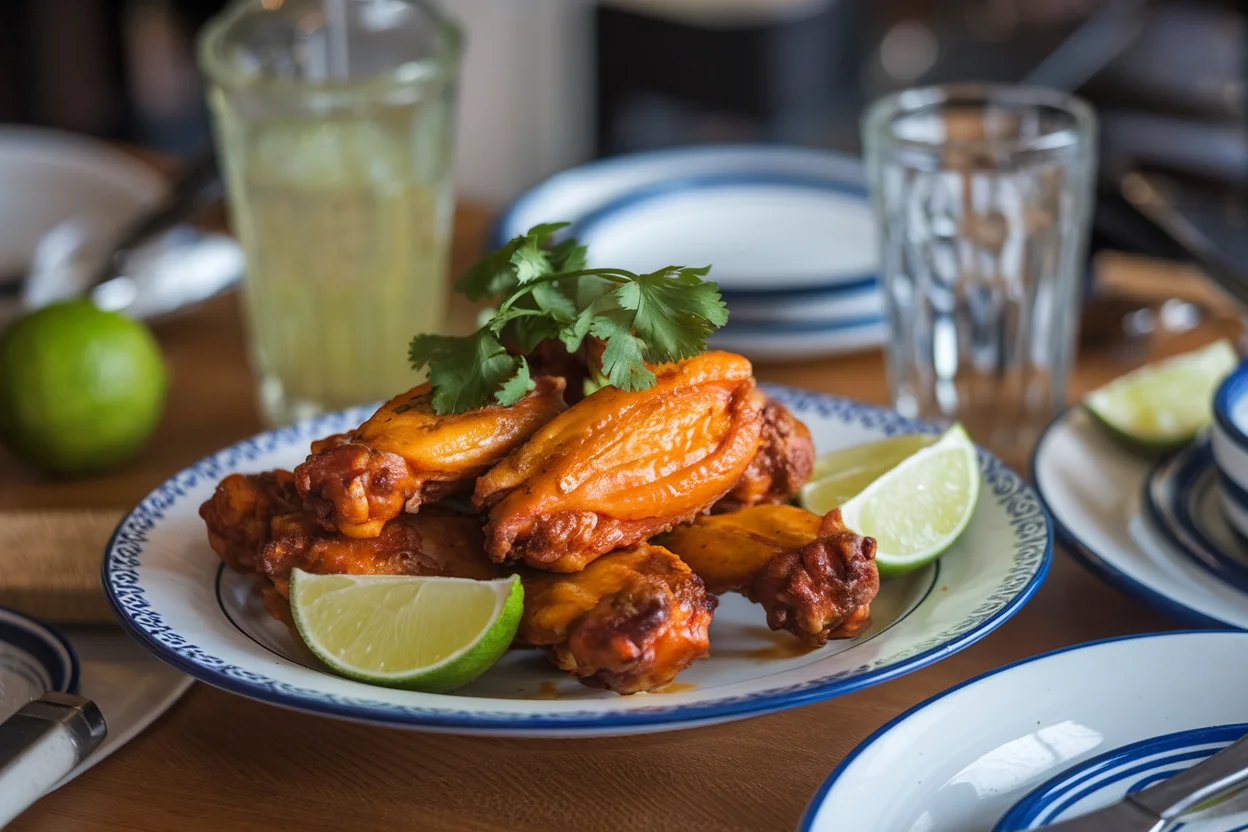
(50, 563)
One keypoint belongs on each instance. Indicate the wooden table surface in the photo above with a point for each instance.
(217, 761)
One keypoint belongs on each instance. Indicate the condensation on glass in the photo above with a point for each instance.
(983, 195)
(334, 123)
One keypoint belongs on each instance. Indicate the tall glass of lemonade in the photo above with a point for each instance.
(334, 123)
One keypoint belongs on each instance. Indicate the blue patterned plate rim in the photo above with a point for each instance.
(48, 648)
(1103, 569)
(1057, 790)
(1167, 494)
(816, 803)
(1028, 519)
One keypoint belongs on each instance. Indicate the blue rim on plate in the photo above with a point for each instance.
(1231, 388)
(1029, 521)
(760, 328)
(830, 287)
(1107, 572)
(816, 802)
(1049, 801)
(1169, 493)
(847, 168)
(44, 645)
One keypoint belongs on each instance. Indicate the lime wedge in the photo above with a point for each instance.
(917, 510)
(430, 634)
(1165, 404)
(842, 474)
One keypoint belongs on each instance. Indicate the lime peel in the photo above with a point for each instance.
(921, 507)
(431, 634)
(1165, 404)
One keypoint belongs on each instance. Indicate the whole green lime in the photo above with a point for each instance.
(80, 389)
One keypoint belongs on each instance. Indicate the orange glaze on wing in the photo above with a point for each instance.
(617, 468)
(406, 456)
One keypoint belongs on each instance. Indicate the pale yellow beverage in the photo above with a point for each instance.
(338, 173)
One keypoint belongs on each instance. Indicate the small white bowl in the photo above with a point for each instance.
(1229, 437)
(48, 177)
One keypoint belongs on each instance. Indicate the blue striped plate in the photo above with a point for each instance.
(1186, 498)
(789, 233)
(1108, 778)
(1046, 738)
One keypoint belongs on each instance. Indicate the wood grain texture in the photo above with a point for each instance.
(218, 761)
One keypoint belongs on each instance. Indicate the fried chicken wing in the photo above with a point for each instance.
(617, 467)
(406, 456)
(629, 622)
(436, 542)
(812, 576)
(782, 465)
(239, 511)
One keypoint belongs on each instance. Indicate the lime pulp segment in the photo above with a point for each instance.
(918, 510)
(423, 633)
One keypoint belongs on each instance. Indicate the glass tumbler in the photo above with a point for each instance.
(983, 194)
(334, 122)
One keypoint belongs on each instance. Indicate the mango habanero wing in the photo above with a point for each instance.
(630, 621)
(618, 467)
(812, 576)
(406, 456)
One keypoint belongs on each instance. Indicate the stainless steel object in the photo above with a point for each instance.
(1160, 806)
(160, 265)
(43, 742)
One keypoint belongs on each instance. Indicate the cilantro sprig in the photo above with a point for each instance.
(545, 292)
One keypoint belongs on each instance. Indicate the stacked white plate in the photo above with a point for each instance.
(788, 233)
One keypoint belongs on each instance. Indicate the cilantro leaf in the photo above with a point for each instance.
(497, 274)
(623, 358)
(425, 349)
(544, 292)
(465, 373)
(568, 256)
(492, 275)
(674, 311)
(530, 261)
(517, 387)
(573, 334)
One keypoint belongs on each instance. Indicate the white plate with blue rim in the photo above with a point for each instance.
(33, 660)
(171, 593)
(961, 760)
(1094, 491)
(1115, 775)
(789, 231)
(1185, 498)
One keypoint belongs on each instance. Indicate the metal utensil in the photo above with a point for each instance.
(159, 265)
(42, 743)
(1159, 806)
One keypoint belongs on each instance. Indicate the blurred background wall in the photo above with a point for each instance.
(550, 83)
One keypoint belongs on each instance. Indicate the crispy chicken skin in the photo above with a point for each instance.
(435, 542)
(812, 576)
(629, 622)
(782, 465)
(406, 456)
(617, 467)
(239, 511)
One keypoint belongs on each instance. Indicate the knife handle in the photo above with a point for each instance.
(42, 743)
(1184, 791)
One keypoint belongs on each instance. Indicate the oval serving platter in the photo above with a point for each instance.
(170, 591)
